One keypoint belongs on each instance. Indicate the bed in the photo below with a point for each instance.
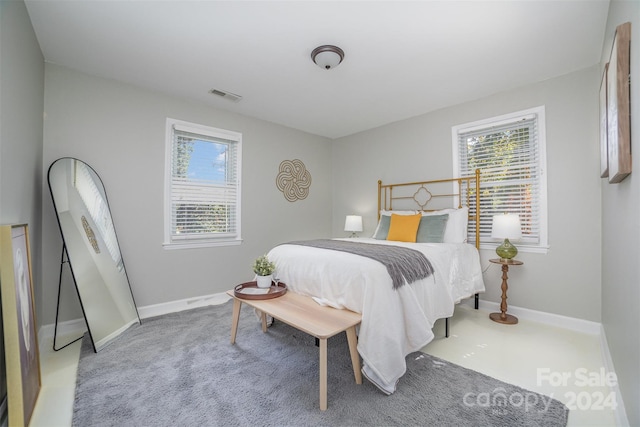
(397, 314)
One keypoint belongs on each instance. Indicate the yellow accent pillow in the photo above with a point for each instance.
(404, 228)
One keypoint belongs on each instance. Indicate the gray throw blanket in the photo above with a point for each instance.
(401, 263)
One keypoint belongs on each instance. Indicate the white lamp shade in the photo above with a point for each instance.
(506, 226)
(353, 223)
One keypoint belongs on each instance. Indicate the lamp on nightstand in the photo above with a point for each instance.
(353, 223)
(506, 226)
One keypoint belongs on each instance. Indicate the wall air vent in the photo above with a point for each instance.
(226, 95)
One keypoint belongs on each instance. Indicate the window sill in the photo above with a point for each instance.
(196, 245)
(521, 249)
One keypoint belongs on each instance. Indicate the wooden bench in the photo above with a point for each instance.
(304, 314)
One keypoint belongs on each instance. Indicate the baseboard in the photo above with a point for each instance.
(78, 326)
(104, 341)
(620, 411)
(571, 323)
(181, 305)
(68, 327)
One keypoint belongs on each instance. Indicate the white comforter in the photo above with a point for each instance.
(394, 322)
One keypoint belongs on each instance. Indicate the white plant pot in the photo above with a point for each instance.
(264, 281)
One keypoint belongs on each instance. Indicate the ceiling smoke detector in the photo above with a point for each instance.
(226, 95)
(327, 56)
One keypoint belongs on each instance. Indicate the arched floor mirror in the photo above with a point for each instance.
(91, 249)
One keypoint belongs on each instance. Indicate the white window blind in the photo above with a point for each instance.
(204, 185)
(510, 155)
(98, 210)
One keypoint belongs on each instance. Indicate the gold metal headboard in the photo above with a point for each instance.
(419, 195)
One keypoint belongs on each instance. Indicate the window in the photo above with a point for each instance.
(510, 153)
(96, 203)
(202, 189)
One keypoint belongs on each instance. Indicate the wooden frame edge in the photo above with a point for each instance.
(17, 413)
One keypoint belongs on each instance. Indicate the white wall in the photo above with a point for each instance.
(120, 131)
(621, 234)
(565, 281)
(21, 103)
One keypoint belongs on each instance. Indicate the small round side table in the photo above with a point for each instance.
(503, 317)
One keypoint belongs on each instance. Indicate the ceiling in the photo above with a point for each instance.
(402, 59)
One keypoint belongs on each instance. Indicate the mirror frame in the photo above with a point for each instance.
(83, 287)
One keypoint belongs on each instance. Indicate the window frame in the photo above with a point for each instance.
(539, 113)
(211, 132)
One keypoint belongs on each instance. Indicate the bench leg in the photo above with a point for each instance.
(353, 350)
(323, 374)
(263, 318)
(236, 318)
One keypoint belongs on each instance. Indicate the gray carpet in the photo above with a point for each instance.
(180, 369)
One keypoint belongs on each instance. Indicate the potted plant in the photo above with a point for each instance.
(264, 270)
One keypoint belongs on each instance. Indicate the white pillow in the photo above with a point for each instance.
(456, 230)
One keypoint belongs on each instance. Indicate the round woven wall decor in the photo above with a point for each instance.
(293, 180)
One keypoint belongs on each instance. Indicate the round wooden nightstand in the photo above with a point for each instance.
(503, 317)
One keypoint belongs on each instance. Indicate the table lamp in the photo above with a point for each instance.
(353, 223)
(506, 226)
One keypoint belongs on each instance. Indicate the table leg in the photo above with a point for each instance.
(504, 287)
(263, 318)
(353, 350)
(503, 316)
(323, 374)
(236, 318)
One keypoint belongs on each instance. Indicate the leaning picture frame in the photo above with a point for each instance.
(604, 147)
(618, 108)
(19, 324)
